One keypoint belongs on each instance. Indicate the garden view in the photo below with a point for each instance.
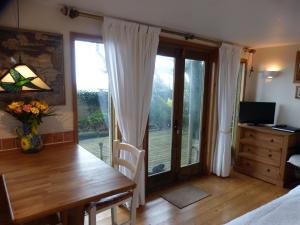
(94, 110)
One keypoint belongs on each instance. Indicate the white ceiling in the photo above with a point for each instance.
(255, 23)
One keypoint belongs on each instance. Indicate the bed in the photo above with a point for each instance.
(281, 211)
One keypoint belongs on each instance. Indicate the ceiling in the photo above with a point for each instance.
(253, 23)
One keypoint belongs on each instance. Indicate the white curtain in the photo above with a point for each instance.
(229, 62)
(130, 51)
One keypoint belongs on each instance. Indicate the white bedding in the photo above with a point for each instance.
(281, 211)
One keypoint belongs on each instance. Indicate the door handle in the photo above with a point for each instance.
(176, 128)
(175, 125)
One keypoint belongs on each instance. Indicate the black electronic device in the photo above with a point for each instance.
(257, 112)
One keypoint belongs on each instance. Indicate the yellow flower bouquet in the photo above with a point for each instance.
(30, 113)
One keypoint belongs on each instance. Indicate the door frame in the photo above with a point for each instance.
(211, 55)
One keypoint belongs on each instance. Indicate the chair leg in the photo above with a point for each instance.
(114, 215)
(92, 216)
(132, 214)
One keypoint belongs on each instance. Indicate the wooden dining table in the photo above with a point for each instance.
(60, 178)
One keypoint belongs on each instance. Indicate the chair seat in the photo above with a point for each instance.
(105, 202)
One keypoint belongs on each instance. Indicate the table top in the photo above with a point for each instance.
(56, 179)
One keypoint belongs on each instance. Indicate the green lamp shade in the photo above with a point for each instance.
(21, 78)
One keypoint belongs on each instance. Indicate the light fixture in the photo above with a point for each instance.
(21, 77)
(251, 53)
(270, 74)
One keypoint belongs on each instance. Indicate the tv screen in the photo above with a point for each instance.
(257, 112)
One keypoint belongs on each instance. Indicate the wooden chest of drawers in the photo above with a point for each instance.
(262, 152)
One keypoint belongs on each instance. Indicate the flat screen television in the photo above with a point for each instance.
(257, 112)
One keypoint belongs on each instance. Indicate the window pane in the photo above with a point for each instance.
(160, 119)
(192, 111)
(93, 102)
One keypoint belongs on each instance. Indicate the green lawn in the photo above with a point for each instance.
(159, 148)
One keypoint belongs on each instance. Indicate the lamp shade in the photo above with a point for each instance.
(21, 78)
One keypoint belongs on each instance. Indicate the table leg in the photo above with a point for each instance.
(74, 216)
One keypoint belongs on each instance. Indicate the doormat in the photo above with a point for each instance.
(184, 196)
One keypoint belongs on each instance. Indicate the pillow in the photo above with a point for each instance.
(294, 160)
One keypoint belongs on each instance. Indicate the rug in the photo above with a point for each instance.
(184, 196)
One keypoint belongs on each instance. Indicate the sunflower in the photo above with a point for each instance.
(25, 143)
(35, 110)
(15, 105)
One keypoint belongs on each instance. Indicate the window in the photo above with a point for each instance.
(93, 100)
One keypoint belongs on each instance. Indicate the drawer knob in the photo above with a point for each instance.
(270, 155)
(272, 140)
(268, 170)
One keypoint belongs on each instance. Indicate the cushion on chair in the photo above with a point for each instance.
(105, 202)
(295, 160)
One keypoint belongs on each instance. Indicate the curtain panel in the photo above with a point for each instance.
(229, 63)
(130, 52)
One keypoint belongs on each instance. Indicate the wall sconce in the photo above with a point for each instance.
(251, 53)
(269, 74)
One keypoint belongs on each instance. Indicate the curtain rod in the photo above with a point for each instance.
(74, 13)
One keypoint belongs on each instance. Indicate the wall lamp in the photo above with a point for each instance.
(270, 74)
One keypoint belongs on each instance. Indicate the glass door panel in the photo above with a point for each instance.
(93, 101)
(161, 116)
(192, 112)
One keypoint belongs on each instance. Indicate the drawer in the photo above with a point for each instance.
(261, 154)
(258, 169)
(263, 139)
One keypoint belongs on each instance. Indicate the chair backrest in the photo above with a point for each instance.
(131, 159)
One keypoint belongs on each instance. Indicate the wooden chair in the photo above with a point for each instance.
(119, 163)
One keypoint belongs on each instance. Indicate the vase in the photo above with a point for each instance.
(30, 139)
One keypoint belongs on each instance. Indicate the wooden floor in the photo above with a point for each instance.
(230, 198)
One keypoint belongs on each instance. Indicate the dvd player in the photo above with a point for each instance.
(286, 128)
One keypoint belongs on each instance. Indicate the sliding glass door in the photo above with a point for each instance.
(175, 120)
(194, 74)
(161, 116)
